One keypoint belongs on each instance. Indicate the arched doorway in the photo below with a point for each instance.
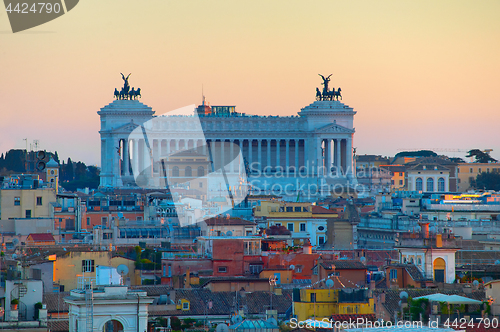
(439, 270)
(112, 326)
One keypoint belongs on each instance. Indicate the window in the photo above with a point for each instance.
(418, 184)
(278, 224)
(430, 184)
(302, 226)
(88, 221)
(39, 200)
(289, 209)
(400, 182)
(222, 269)
(201, 171)
(313, 297)
(321, 240)
(321, 228)
(290, 226)
(185, 305)
(175, 171)
(441, 185)
(479, 170)
(304, 209)
(164, 270)
(470, 170)
(298, 269)
(139, 218)
(187, 171)
(104, 220)
(298, 209)
(17, 200)
(394, 274)
(88, 265)
(419, 261)
(315, 270)
(28, 214)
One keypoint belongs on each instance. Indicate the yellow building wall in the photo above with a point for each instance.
(326, 304)
(68, 268)
(28, 198)
(472, 170)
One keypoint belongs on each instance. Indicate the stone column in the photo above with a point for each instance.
(250, 145)
(157, 160)
(222, 148)
(176, 145)
(116, 161)
(231, 155)
(348, 152)
(259, 153)
(296, 156)
(168, 146)
(319, 156)
(278, 157)
(307, 156)
(339, 156)
(146, 155)
(269, 163)
(287, 155)
(126, 157)
(326, 156)
(136, 156)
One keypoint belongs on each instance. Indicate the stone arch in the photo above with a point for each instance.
(116, 321)
(439, 270)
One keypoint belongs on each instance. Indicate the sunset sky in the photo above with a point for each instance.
(420, 74)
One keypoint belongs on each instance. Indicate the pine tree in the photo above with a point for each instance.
(69, 170)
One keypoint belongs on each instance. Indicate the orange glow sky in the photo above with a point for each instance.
(421, 74)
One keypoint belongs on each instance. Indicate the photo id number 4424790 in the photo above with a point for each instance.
(35, 8)
(464, 323)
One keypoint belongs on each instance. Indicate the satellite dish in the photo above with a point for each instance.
(329, 283)
(236, 319)
(497, 262)
(122, 269)
(222, 234)
(403, 295)
(272, 320)
(475, 282)
(14, 256)
(15, 242)
(222, 328)
(292, 267)
(362, 259)
(229, 233)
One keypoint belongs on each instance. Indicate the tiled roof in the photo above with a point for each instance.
(343, 265)
(153, 290)
(58, 325)
(228, 222)
(392, 296)
(222, 302)
(55, 302)
(412, 270)
(42, 237)
(428, 167)
(321, 210)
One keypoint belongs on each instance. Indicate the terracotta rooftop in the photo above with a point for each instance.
(41, 237)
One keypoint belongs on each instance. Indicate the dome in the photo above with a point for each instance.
(52, 163)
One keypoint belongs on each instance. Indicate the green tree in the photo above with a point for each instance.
(480, 156)
(69, 170)
(175, 323)
(488, 181)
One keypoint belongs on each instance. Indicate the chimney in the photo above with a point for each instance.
(187, 284)
(307, 248)
(425, 229)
